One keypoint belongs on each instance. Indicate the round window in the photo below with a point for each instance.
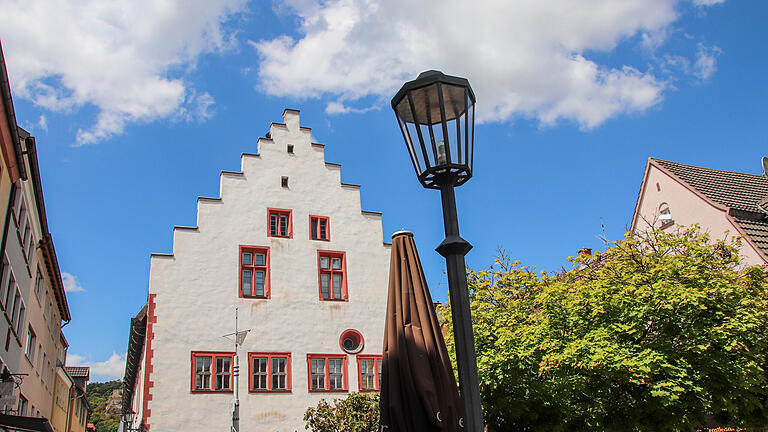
(351, 341)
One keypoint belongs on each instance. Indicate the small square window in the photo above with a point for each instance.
(280, 223)
(290, 148)
(284, 181)
(327, 372)
(269, 372)
(212, 371)
(319, 228)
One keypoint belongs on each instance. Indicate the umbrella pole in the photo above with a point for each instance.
(453, 248)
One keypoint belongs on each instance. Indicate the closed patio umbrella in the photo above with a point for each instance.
(418, 387)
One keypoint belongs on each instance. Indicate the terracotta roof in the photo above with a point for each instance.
(732, 189)
(78, 371)
(745, 195)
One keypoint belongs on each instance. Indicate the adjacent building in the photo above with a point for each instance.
(78, 403)
(724, 203)
(287, 244)
(32, 298)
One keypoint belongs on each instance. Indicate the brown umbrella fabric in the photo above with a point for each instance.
(418, 388)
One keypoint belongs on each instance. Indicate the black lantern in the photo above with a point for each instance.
(436, 113)
(438, 110)
(129, 417)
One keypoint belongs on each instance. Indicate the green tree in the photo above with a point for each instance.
(103, 417)
(654, 334)
(358, 412)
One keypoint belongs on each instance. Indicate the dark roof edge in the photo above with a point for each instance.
(5, 89)
(37, 186)
(136, 336)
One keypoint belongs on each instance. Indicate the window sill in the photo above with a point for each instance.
(212, 391)
(369, 391)
(335, 300)
(270, 391)
(328, 391)
(319, 239)
(255, 297)
(280, 237)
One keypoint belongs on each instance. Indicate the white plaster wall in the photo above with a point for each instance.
(687, 208)
(197, 288)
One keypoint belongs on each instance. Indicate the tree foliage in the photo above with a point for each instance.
(654, 334)
(358, 412)
(99, 395)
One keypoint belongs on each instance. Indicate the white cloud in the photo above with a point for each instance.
(43, 123)
(126, 59)
(706, 61)
(523, 57)
(707, 2)
(111, 369)
(71, 283)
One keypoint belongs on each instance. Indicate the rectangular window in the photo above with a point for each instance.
(22, 405)
(28, 242)
(327, 372)
(4, 282)
(31, 344)
(319, 228)
(280, 223)
(332, 275)
(269, 372)
(211, 371)
(39, 284)
(369, 372)
(9, 291)
(254, 272)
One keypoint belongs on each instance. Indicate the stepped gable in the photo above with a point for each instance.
(745, 196)
(274, 141)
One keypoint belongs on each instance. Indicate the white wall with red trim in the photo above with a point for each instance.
(197, 287)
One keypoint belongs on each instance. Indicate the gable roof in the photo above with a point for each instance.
(78, 371)
(744, 195)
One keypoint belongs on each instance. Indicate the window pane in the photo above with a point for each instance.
(334, 365)
(284, 225)
(318, 366)
(260, 259)
(325, 281)
(260, 373)
(323, 233)
(324, 262)
(336, 262)
(278, 365)
(273, 224)
(337, 278)
(247, 275)
(259, 288)
(247, 258)
(313, 228)
(318, 374)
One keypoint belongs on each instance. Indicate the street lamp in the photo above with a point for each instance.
(436, 113)
(129, 417)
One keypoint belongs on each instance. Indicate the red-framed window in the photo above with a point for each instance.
(369, 372)
(254, 272)
(327, 372)
(332, 275)
(279, 223)
(319, 228)
(269, 372)
(212, 372)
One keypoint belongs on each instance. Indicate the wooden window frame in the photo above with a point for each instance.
(270, 355)
(280, 212)
(343, 272)
(213, 355)
(253, 267)
(326, 357)
(327, 228)
(377, 381)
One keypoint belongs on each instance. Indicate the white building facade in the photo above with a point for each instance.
(287, 244)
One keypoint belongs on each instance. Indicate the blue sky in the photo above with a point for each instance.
(138, 106)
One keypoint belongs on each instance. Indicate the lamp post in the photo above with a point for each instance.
(436, 113)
